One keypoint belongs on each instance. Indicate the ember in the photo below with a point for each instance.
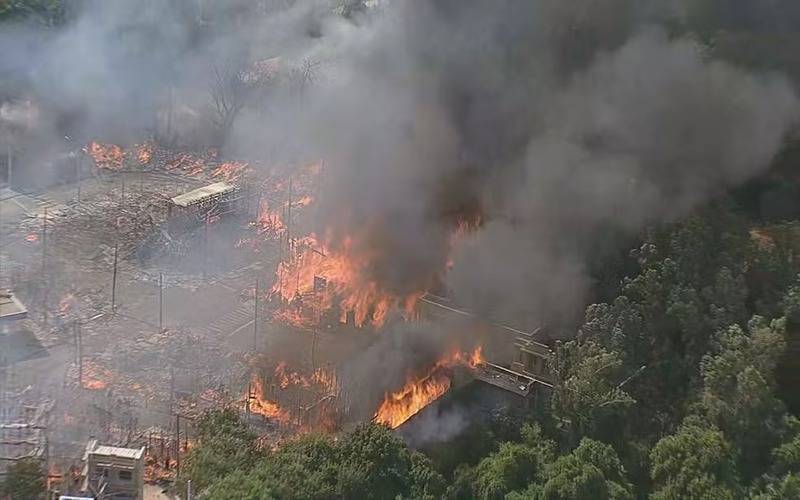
(94, 377)
(107, 156)
(231, 171)
(144, 153)
(420, 391)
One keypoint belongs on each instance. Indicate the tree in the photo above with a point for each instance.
(738, 391)
(369, 463)
(306, 468)
(696, 462)
(224, 445)
(375, 464)
(514, 465)
(592, 471)
(228, 90)
(24, 481)
(48, 13)
(587, 394)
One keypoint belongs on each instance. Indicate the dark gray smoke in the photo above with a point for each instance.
(549, 121)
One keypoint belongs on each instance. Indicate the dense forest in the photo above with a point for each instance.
(683, 380)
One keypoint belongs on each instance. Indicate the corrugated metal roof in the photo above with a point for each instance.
(132, 453)
(10, 307)
(194, 196)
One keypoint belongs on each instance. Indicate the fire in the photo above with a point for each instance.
(108, 156)
(420, 391)
(144, 153)
(66, 303)
(230, 171)
(269, 221)
(192, 165)
(322, 377)
(94, 377)
(326, 278)
(260, 405)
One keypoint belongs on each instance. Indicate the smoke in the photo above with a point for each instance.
(550, 123)
(547, 121)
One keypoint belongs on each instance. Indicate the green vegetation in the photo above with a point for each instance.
(24, 480)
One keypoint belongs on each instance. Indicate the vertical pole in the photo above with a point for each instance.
(177, 445)
(123, 188)
(80, 354)
(314, 349)
(255, 321)
(44, 264)
(205, 245)
(78, 176)
(289, 220)
(189, 490)
(171, 387)
(160, 302)
(114, 281)
(44, 240)
(10, 163)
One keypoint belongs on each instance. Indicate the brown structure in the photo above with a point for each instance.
(111, 472)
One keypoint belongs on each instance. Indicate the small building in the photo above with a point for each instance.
(11, 309)
(111, 472)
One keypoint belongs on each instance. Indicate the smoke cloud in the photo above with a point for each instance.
(547, 121)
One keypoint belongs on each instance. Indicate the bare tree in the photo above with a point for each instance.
(228, 90)
(304, 74)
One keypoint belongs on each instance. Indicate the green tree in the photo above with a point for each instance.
(514, 465)
(224, 445)
(368, 463)
(306, 469)
(24, 481)
(738, 391)
(696, 462)
(592, 471)
(587, 398)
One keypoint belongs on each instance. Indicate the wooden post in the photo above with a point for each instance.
(177, 444)
(114, 281)
(160, 302)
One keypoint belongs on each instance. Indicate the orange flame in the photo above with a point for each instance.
(260, 405)
(269, 222)
(335, 278)
(144, 153)
(108, 156)
(420, 391)
(230, 171)
(66, 303)
(94, 377)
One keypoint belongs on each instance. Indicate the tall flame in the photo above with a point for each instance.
(420, 391)
(331, 278)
